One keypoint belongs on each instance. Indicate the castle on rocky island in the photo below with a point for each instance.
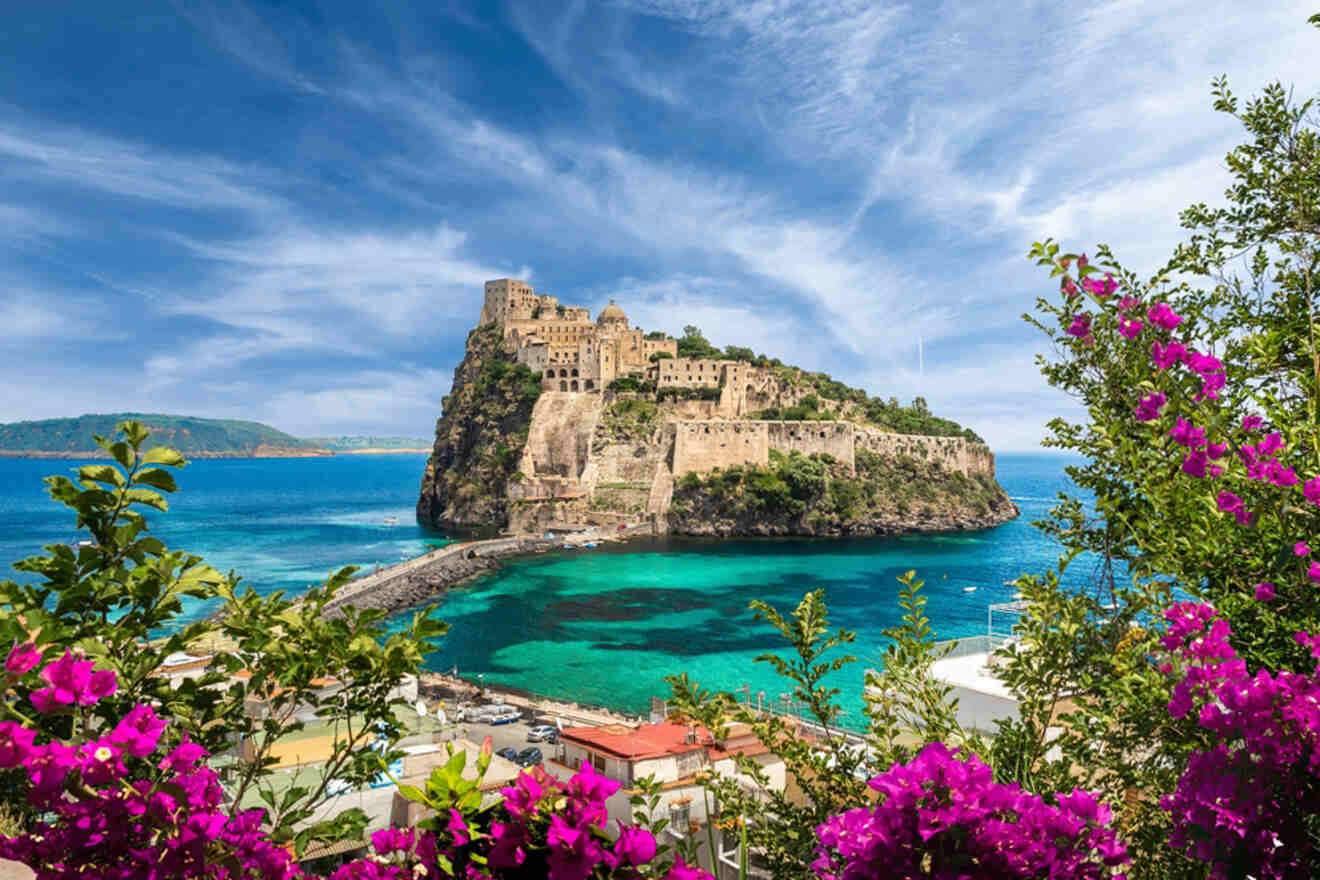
(571, 353)
(599, 451)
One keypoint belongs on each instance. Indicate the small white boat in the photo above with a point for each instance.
(969, 589)
(391, 520)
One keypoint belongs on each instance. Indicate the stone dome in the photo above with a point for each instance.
(612, 314)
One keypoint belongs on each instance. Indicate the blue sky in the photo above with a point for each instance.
(285, 212)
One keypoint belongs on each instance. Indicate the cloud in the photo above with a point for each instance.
(88, 161)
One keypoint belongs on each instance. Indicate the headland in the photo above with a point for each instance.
(556, 422)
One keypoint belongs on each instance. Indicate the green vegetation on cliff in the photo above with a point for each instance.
(817, 494)
(190, 435)
(480, 437)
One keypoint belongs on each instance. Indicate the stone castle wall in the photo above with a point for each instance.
(706, 445)
(703, 445)
(954, 453)
(810, 438)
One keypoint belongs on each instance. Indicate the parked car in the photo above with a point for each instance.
(508, 752)
(543, 733)
(529, 756)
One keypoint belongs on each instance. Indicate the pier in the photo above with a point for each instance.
(415, 581)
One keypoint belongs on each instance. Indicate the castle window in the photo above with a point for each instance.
(589, 385)
(550, 374)
(563, 386)
(575, 372)
(562, 374)
(575, 385)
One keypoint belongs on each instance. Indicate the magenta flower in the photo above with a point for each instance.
(1080, 326)
(138, 732)
(1230, 503)
(1216, 450)
(684, 871)
(72, 682)
(1194, 463)
(22, 659)
(1312, 491)
(1069, 289)
(1166, 356)
(1251, 422)
(1265, 591)
(1185, 434)
(1149, 408)
(392, 840)
(1314, 572)
(1162, 316)
(1272, 443)
(1082, 262)
(15, 743)
(1100, 288)
(183, 758)
(1129, 303)
(1129, 328)
(635, 846)
(1301, 549)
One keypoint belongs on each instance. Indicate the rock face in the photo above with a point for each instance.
(818, 494)
(506, 459)
(479, 439)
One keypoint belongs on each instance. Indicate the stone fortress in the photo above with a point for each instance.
(578, 467)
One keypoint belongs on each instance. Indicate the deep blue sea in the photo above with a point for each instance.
(601, 626)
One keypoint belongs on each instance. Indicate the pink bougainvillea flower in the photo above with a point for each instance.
(1301, 548)
(138, 732)
(1129, 328)
(22, 659)
(635, 846)
(183, 758)
(1101, 288)
(1186, 434)
(1314, 572)
(72, 682)
(1194, 463)
(1265, 591)
(1165, 356)
(1216, 450)
(1149, 408)
(1279, 475)
(1312, 491)
(1080, 326)
(1082, 262)
(1129, 303)
(1164, 317)
(1251, 422)
(15, 743)
(1230, 503)
(1069, 289)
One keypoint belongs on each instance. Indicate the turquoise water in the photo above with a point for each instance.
(281, 523)
(601, 626)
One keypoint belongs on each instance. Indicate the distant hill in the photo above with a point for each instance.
(194, 437)
(362, 444)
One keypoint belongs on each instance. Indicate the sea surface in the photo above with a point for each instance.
(600, 626)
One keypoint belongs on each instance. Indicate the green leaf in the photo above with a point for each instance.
(164, 455)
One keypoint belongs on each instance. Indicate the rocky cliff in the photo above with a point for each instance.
(817, 494)
(506, 459)
(479, 439)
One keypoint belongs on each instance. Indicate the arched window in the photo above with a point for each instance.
(549, 374)
(588, 385)
(574, 385)
(574, 372)
(563, 386)
(563, 374)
